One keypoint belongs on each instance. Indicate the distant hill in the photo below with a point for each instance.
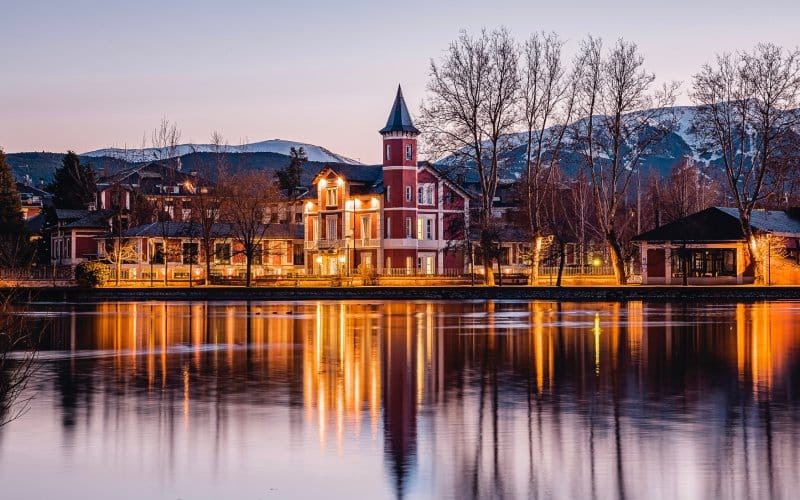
(38, 167)
(41, 166)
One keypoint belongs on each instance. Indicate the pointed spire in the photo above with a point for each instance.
(399, 117)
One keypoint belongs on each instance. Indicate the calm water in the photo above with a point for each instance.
(410, 399)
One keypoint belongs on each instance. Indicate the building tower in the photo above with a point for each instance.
(400, 180)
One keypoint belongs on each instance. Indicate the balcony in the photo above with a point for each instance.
(310, 245)
(329, 244)
(368, 243)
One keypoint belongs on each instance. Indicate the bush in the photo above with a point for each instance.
(92, 274)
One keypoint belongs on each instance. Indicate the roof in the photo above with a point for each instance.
(92, 220)
(722, 224)
(36, 223)
(219, 230)
(69, 213)
(399, 117)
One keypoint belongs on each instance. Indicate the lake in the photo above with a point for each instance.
(394, 399)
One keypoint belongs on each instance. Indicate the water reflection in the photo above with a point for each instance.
(407, 399)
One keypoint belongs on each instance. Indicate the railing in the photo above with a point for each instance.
(367, 242)
(330, 244)
(413, 271)
(310, 245)
(38, 274)
(586, 270)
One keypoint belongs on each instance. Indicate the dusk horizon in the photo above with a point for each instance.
(321, 78)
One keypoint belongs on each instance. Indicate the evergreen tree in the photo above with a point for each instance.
(73, 184)
(15, 247)
(289, 177)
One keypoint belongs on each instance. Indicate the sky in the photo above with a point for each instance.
(85, 75)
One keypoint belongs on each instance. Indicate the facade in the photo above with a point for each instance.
(73, 238)
(399, 218)
(175, 250)
(709, 248)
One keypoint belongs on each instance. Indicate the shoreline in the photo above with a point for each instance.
(738, 293)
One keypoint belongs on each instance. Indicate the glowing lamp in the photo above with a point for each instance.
(319, 260)
(323, 182)
(596, 262)
(339, 181)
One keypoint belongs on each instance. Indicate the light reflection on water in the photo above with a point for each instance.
(411, 399)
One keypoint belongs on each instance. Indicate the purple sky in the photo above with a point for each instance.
(96, 74)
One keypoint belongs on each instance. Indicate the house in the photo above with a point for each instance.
(401, 217)
(167, 188)
(152, 250)
(33, 200)
(72, 237)
(709, 247)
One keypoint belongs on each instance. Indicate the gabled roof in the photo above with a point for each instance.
(722, 224)
(399, 117)
(92, 220)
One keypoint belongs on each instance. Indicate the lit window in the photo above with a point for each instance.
(331, 229)
(222, 253)
(408, 152)
(330, 197)
(420, 233)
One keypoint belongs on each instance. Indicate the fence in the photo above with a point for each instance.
(37, 274)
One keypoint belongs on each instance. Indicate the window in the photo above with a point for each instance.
(388, 227)
(388, 152)
(703, 263)
(408, 152)
(258, 254)
(388, 194)
(189, 253)
(366, 227)
(330, 234)
(409, 194)
(158, 253)
(222, 253)
(330, 197)
(298, 217)
(408, 228)
(315, 230)
(425, 194)
(424, 228)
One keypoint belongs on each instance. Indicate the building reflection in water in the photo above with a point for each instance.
(468, 400)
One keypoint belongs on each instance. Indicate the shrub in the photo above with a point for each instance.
(92, 274)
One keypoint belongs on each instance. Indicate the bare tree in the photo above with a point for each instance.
(165, 139)
(207, 204)
(547, 102)
(469, 112)
(623, 120)
(18, 347)
(746, 102)
(249, 197)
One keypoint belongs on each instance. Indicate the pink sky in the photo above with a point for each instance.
(95, 74)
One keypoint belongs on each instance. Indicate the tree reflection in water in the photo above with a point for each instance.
(465, 400)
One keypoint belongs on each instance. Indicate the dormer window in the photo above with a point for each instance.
(330, 197)
(388, 152)
(408, 152)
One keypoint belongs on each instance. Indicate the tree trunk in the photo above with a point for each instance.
(561, 261)
(617, 262)
(752, 252)
(166, 261)
(208, 263)
(248, 270)
(487, 267)
(536, 256)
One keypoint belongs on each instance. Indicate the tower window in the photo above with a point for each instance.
(408, 152)
(409, 195)
(388, 152)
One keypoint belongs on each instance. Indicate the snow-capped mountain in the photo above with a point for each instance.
(684, 142)
(279, 146)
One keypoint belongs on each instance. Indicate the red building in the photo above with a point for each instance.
(402, 217)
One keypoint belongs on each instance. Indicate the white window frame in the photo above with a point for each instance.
(409, 228)
(331, 197)
(409, 194)
(388, 228)
(388, 152)
(409, 152)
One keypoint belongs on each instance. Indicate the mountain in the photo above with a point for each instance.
(38, 167)
(683, 142)
(279, 146)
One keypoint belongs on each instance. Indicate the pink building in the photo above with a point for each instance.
(402, 217)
